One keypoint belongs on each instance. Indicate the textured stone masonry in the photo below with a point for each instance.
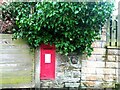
(98, 71)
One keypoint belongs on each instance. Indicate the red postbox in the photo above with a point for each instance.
(47, 59)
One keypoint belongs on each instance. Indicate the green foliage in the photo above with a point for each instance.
(71, 26)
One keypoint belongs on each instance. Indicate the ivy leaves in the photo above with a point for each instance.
(71, 26)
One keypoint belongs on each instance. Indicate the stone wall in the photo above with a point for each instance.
(98, 71)
(67, 74)
(101, 69)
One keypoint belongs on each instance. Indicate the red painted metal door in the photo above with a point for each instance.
(47, 68)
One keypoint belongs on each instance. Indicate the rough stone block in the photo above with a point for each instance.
(91, 64)
(60, 75)
(109, 71)
(112, 64)
(109, 78)
(98, 44)
(118, 71)
(94, 85)
(100, 57)
(99, 51)
(111, 58)
(103, 44)
(72, 84)
(113, 52)
(100, 71)
(76, 74)
(100, 64)
(118, 65)
(100, 77)
(46, 84)
(71, 80)
(92, 57)
(103, 37)
(89, 83)
(84, 63)
(118, 58)
(88, 70)
(104, 30)
(93, 78)
(68, 73)
(108, 85)
(59, 83)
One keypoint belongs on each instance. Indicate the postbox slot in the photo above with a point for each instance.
(47, 48)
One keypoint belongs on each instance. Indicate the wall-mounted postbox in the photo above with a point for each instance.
(47, 59)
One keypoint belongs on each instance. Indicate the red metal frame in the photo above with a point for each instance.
(47, 70)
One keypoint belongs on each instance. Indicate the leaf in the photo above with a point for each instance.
(76, 12)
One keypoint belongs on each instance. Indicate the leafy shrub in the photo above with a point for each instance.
(71, 26)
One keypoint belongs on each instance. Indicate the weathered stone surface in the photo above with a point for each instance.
(88, 70)
(100, 71)
(89, 64)
(117, 58)
(66, 72)
(99, 44)
(113, 52)
(76, 74)
(93, 78)
(100, 77)
(99, 51)
(100, 64)
(93, 64)
(89, 83)
(119, 65)
(108, 84)
(92, 57)
(103, 37)
(71, 80)
(100, 57)
(111, 64)
(96, 72)
(110, 77)
(111, 58)
(72, 84)
(109, 71)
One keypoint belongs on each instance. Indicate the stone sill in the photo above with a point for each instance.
(113, 47)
